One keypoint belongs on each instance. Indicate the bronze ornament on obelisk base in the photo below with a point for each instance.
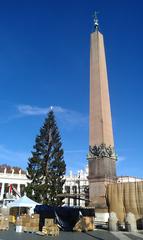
(101, 156)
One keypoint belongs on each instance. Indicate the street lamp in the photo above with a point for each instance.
(78, 183)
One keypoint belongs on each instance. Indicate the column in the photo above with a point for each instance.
(18, 188)
(2, 191)
(18, 191)
(71, 192)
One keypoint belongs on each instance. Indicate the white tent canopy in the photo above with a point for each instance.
(23, 202)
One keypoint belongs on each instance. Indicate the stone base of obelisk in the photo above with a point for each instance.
(97, 196)
(101, 173)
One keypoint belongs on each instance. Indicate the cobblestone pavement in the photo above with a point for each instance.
(94, 235)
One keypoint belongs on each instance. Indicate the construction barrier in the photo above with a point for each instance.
(124, 198)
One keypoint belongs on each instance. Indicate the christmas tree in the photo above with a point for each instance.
(46, 168)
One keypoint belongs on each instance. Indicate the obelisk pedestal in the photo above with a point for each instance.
(101, 172)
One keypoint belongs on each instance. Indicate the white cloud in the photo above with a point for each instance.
(73, 118)
(121, 159)
(64, 115)
(12, 158)
(29, 110)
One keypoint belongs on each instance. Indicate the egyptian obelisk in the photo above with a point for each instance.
(101, 157)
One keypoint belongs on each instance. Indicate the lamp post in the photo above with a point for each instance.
(78, 183)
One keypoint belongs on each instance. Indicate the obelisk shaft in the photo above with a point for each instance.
(100, 113)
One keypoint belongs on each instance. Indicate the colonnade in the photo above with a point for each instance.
(75, 185)
(16, 181)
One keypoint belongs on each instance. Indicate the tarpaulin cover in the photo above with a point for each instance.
(66, 217)
(123, 198)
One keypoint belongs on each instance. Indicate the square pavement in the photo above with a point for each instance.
(93, 235)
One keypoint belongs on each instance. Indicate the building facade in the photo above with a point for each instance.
(12, 182)
(76, 186)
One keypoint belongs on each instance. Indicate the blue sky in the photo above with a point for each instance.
(44, 61)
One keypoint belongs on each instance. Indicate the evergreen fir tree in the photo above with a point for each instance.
(46, 168)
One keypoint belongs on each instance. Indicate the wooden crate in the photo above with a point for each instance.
(84, 224)
(4, 225)
(30, 229)
(88, 223)
(49, 222)
(51, 231)
(12, 219)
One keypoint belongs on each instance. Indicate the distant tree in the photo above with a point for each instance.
(46, 168)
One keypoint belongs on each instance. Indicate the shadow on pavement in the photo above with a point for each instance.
(97, 238)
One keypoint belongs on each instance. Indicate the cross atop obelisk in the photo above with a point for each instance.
(95, 20)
